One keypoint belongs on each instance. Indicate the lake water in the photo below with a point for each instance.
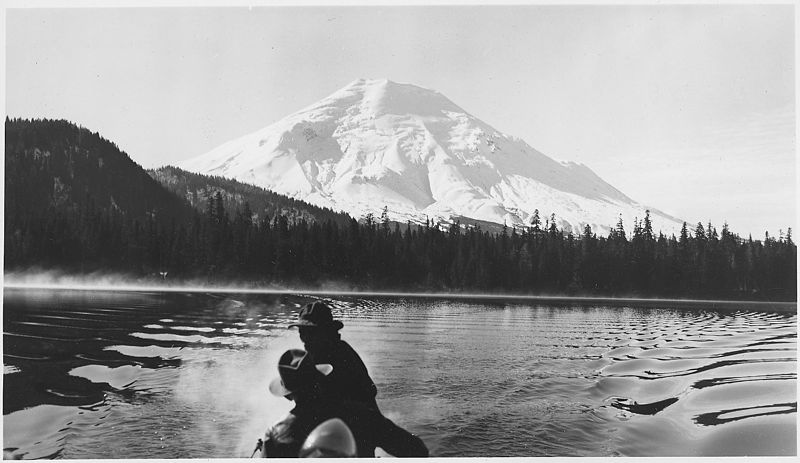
(120, 374)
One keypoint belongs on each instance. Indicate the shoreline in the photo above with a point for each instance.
(778, 306)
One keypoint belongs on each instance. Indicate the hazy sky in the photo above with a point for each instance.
(687, 108)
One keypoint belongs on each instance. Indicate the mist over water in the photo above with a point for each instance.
(152, 374)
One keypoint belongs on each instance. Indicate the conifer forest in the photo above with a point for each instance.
(75, 203)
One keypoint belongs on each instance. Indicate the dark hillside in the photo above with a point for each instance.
(199, 189)
(54, 163)
(72, 198)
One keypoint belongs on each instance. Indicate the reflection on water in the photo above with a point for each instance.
(184, 375)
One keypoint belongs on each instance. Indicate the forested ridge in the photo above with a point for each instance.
(75, 203)
(198, 190)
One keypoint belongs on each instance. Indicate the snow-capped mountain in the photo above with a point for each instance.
(377, 143)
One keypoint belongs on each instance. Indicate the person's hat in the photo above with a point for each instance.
(317, 314)
(296, 371)
(331, 439)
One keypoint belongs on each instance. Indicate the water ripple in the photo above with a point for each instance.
(736, 414)
(151, 375)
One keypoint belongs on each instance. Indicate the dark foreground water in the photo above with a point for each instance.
(92, 374)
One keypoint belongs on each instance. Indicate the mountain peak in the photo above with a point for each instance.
(376, 143)
(383, 96)
(361, 81)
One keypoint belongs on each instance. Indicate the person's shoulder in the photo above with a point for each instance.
(345, 347)
(283, 429)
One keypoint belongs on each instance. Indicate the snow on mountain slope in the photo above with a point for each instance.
(377, 143)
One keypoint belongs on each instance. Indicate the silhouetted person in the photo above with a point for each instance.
(319, 333)
(303, 381)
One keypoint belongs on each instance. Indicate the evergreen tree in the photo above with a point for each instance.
(553, 230)
(618, 232)
(535, 221)
(684, 240)
(700, 233)
(647, 227)
(385, 219)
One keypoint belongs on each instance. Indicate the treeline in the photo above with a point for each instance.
(75, 202)
(218, 245)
